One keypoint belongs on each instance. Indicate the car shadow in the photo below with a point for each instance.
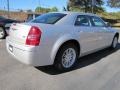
(82, 62)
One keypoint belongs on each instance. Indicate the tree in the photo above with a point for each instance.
(45, 10)
(67, 8)
(85, 5)
(54, 9)
(42, 10)
(114, 3)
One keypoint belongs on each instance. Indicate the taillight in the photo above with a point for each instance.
(34, 36)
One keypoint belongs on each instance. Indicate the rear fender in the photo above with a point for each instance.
(59, 43)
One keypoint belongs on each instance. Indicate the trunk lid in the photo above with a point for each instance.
(18, 33)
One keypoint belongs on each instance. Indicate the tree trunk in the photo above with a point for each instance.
(86, 5)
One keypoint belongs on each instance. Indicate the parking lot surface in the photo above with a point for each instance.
(98, 71)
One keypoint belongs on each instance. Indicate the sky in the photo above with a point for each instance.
(32, 4)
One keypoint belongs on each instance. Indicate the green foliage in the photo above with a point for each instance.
(114, 3)
(85, 5)
(42, 10)
(54, 9)
(115, 15)
(45, 10)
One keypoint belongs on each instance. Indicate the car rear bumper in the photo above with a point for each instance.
(27, 55)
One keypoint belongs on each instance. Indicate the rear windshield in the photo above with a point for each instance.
(50, 18)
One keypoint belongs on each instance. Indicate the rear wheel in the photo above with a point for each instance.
(114, 43)
(66, 57)
(2, 33)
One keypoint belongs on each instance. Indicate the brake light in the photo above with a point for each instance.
(34, 36)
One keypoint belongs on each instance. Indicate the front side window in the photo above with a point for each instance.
(82, 20)
(50, 18)
(97, 22)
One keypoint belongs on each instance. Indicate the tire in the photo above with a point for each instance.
(2, 33)
(66, 57)
(114, 42)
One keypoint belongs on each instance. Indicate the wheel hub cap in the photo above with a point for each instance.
(68, 57)
(1, 33)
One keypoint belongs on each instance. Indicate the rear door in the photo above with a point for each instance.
(87, 35)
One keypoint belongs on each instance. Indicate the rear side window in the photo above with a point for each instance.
(82, 20)
(50, 18)
(97, 22)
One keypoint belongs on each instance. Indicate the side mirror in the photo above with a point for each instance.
(108, 24)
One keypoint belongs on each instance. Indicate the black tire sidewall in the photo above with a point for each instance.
(112, 46)
(58, 61)
(4, 33)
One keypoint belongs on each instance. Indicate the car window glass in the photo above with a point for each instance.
(97, 22)
(82, 21)
(50, 18)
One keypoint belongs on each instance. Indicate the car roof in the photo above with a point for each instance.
(76, 13)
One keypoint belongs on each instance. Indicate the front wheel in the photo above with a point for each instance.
(2, 33)
(66, 57)
(114, 43)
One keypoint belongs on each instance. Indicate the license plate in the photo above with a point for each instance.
(11, 48)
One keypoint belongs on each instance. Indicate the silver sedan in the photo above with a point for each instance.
(59, 39)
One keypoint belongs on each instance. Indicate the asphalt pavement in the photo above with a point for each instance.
(98, 71)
